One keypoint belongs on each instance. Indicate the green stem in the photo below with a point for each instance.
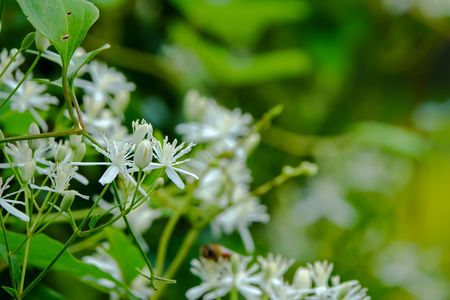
(41, 135)
(27, 246)
(66, 245)
(22, 80)
(132, 233)
(234, 295)
(11, 269)
(189, 240)
(164, 241)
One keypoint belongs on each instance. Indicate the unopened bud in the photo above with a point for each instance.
(28, 170)
(62, 150)
(302, 279)
(75, 141)
(67, 201)
(34, 130)
(141, 129)
(78, 154)
(42, 43)
(143, 155)
(309, 168)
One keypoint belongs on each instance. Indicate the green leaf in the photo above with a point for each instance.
(395, 139)
(64, 23)
(93, 221)
(43, 249)
(43, 292)
(27, 41)
(125, 253)
(241, 22)
(10, 291)
(79, 61)
(237, 69)
(2, 8)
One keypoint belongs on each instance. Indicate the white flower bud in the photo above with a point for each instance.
(143, 155)
(28, 170)
(302, 279)
(75, 141)
(42, 43)
(62, 150)
(67, 200)
(34, 130)
(78, 154)
(140, 130)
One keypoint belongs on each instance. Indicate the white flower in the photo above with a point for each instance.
(6, 203)
(5, 57)
(106, 82)
(239, 217)
(272, 271)
(141, 130)
(120, 159)
(220, 277)
(29, 97)
(168, 154)
(60, 176)
(219, 126)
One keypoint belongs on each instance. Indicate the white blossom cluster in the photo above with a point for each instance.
(227, 139)
(30, 96)
(429, 8)
(50, 164)
(264, 279)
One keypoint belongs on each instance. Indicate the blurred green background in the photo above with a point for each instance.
(365, 89)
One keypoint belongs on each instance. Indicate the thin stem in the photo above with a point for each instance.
(5, 238)
(22, 80)
(189, 240)
(132, 233)
(66, 245)
(41, 135)
(165, 239)
(27, 247)
(66, 93)
(234, 295)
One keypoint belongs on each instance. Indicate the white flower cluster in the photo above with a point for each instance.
(50, 165)
(224, 177)
(30, 96)
(429, 8)
(264, 279)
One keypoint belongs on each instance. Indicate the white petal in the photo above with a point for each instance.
(174, 177)
(109, 175)
(14, 211)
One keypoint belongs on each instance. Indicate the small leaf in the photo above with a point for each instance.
(78, 62)
(2, 7)
(27, 41)
(64, 23)
(94, 221)
(43, 292)
(125, 253)
(10, 291)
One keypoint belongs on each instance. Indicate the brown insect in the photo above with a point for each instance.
(215, 252)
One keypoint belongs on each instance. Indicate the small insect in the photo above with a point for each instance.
(215, 252)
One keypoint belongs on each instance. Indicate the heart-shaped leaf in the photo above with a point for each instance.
(64, 23)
